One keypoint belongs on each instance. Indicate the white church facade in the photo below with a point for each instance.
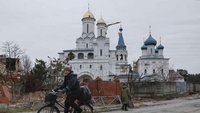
(152, 65)
(93, 57)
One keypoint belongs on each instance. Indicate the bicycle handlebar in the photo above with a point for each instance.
(57, 92)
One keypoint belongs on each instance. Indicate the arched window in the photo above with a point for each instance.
(145, 71)
(101, 32)
(86, 45)
(154, 71)
(101, 67)
(80, 66)
(121, 57)
(87, 28)
(162, 71)
(101, 52)
(125, 58)
(80, 56)
(90, 66)
(90, 56)
(117, 57)
(151, 51)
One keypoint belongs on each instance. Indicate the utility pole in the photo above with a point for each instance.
(112, 24)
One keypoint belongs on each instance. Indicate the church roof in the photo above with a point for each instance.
(121, 44)
(150, 41)
(160, 46)
(88, 14)
(101, 21)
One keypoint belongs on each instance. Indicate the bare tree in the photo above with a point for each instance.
(158, 75)
(161, 74)
(11, 49)
(26, 64)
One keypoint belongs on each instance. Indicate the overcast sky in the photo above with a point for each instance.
(45, 27)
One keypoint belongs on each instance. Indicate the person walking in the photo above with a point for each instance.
(125, 97)
(71, 86)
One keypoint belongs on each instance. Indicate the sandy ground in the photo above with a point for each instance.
(182, 105)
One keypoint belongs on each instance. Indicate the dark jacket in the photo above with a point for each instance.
(71, 84)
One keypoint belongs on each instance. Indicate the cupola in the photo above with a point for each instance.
(160, 46)
(88, 14)
(101, 21)
(150, 41)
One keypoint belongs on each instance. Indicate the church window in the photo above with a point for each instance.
(90, 56)
(90, 66)
(125, 58)
(145, 71)
(87, 28)
(101, 32)
(117, 57)
(162, 71)
(86, 45)
(121, 57)
(80, 56)
(154, 71)
(151, 51)
(101, 67)
(101, 52)
(146, 64)
(80, 66)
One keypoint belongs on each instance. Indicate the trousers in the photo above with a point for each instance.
(70, 101)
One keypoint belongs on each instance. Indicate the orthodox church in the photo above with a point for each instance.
(152, 65)
(93, 57)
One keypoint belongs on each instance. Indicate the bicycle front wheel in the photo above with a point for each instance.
(48, 109)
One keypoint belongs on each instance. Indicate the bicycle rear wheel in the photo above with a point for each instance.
(48, 109)
(86, 108)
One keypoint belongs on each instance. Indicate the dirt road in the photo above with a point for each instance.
(184, 105)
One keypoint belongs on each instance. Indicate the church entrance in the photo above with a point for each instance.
(85, 78)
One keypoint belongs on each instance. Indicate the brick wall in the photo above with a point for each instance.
(104, 88)
(5, 96)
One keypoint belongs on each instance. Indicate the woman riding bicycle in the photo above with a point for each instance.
(72, 88)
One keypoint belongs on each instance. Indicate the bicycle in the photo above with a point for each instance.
(52, 104)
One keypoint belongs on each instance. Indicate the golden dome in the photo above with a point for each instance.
(88, 14)
(101, 21)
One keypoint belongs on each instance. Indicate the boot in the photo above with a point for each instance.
(126, 107)
(123, 107)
